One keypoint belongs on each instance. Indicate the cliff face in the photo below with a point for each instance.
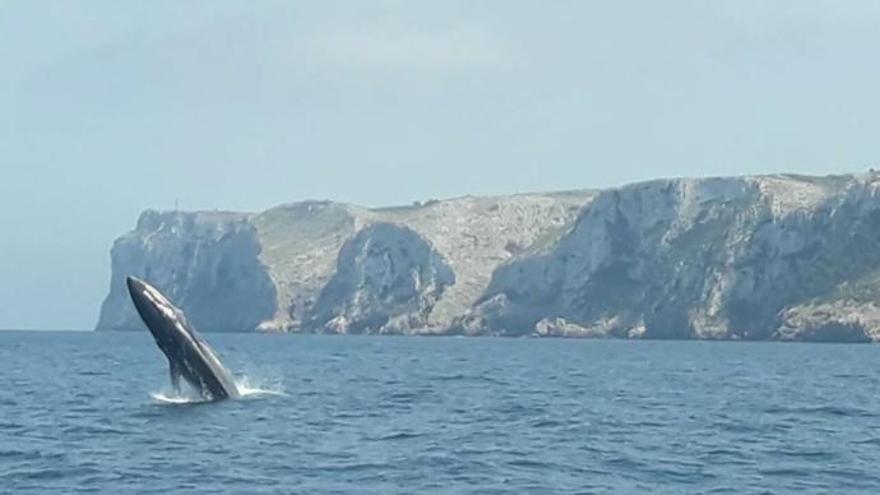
(751, 258)
(206, 262)
(300, 243)
(388, 280)
(774, 257)
(319, 266)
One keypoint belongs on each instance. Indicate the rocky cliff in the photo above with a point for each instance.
(786, 257)
(772, 257)
(208, 263)
(320, 266)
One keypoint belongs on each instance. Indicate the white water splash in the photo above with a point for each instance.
(186, 395)
(174, 398)
(247, 388)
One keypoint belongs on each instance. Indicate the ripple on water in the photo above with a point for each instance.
(819, 410)
(395, 436)
(373, 415)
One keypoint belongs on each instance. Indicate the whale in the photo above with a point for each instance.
(189, 356)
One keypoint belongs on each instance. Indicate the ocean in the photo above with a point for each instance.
(84, 412)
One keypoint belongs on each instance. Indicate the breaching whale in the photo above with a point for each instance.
(189, 356)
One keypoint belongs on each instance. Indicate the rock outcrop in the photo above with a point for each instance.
(741, 258)
(388, 280)
(751, 258)
(320, 266)
(207, 262)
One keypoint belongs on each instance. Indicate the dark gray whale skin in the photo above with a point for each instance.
(189, 356)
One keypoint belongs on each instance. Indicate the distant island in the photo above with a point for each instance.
(776, 257)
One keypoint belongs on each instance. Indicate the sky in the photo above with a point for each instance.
(108, 108)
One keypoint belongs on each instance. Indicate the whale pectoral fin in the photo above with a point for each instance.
(174, 374)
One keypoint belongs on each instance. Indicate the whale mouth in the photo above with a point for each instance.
(155, 297)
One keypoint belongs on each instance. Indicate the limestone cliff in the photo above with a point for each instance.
(388, 280)
(207, 262)
(771, 257)
(743, 258)
(320, 266)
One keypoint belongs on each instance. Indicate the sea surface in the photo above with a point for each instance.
(84, 412)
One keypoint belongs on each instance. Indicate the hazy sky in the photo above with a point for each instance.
(109, 107)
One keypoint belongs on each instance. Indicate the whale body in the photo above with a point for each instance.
(189, 355)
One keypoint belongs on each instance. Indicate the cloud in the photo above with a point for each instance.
(460, 47)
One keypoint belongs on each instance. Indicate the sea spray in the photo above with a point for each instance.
(248, 386)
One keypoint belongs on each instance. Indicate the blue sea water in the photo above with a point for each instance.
(85, 412)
